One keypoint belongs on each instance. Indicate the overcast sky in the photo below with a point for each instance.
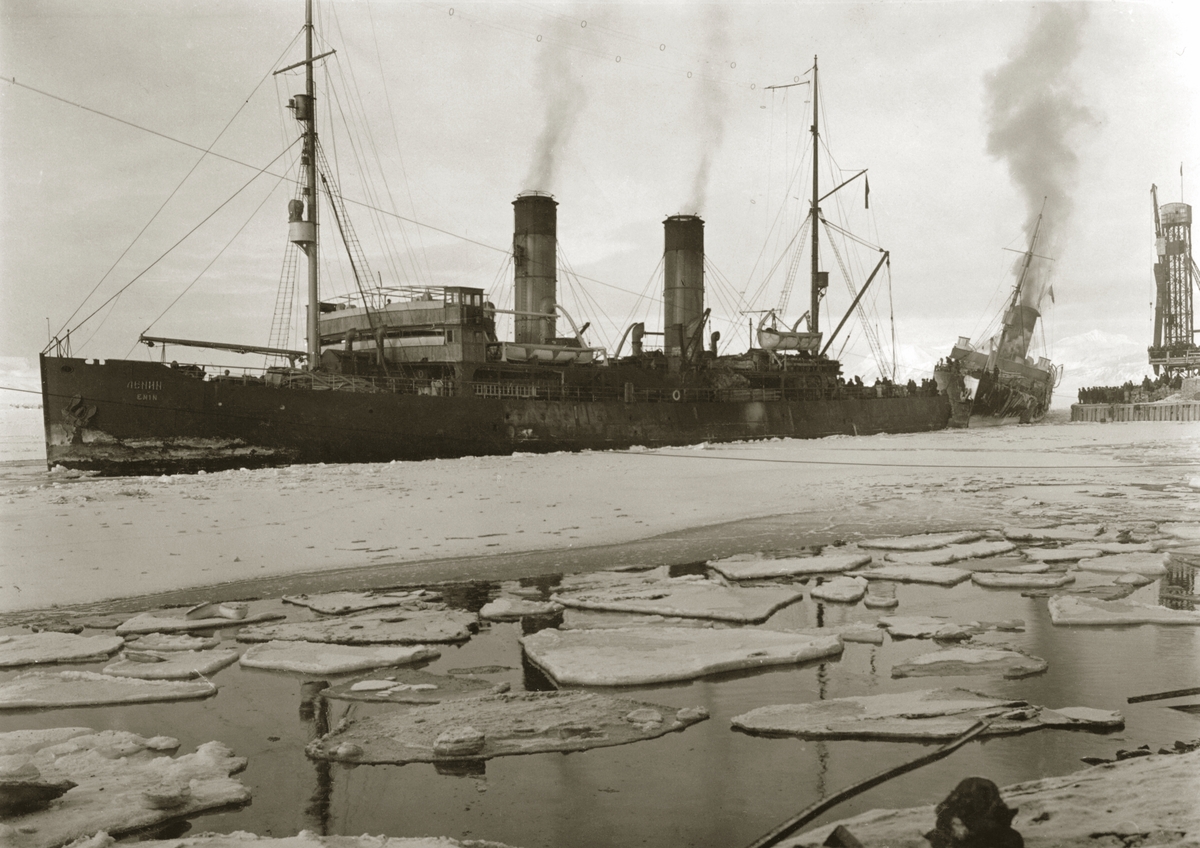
(967, 115)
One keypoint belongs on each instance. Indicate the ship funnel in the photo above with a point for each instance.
(535, 232)
(1019, 324)
(683, 284)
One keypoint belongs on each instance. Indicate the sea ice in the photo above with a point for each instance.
(341, 603)
(952, 553)
(645, 655)
(171, 642)
(921, 541)
(304, 839)
(687, 597)
(501, 725)
(151, 623)
(939, 575)
(1009, 580)
(1149, 564)
(742, 568)
(394, 628)
(952, 662)
(920, 715)
(51, 647)
(173, 665)
(321, 658)
(413, 686)
(844, 590)
(124, 783)
(1065, 533)
(46, 689)
(1076, 610)
(513, 609)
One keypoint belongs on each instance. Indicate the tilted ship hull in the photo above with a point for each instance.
(1011, 386)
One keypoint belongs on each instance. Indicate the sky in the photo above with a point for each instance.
(134, 127)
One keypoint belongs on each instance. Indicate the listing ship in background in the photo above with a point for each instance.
(1011, 385)
(410, 373)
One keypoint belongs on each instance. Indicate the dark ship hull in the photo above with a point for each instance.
(135, 417)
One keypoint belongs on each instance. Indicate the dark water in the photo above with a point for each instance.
(706, 786)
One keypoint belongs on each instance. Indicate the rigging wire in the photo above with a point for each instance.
(204, 152)
(212, 261)
(185, 236)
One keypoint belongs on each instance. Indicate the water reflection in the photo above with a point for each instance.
(1177, 589)
(314, 711)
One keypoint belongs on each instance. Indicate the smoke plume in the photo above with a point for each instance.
(563, 98)
(710, 105)
(1033, 108)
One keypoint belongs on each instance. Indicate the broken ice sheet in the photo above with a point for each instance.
(844, 590)
(123, 783)
(1062, 533)
(52, 647)
(1011, 580)
(926, 714)
(308, 839)
(921, 541)
(44, 689)
(172, 665)
(322, 658)
(1079, 611)
(1149, 564)
(953, 662)
(938, 575)
(397, 628)
(501, 725)
(154, 623)
(943, 629)
(645, 655)
(341, 603)
(412, 686)
(951, 553)
(754, 567)
(687, 597)
(513, 609)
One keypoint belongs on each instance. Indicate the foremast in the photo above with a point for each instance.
(302, 214)
(815, 286)
(1021, 318)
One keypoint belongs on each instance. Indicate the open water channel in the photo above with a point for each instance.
(706, 786)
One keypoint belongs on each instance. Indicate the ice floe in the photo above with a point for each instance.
(921, 541)
(938, 575)
(920, 715)
(171, 642)
(1063, 533)
(942, 629)
(341, 603)
(395, 628)
(951, 553)
(644, 655)
(44, 689)
(413, 686)
(686, 597)
(171, 665)
(148, 622)
(123, 783)
(952, 662)
(1076, 610)
(52, 647)
(1011, 580)
(322, 658)
(843, 590)
(746, 567)
(513, 609)
(501, 725)
(1149, 564)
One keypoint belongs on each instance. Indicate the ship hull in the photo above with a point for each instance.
(131, 417)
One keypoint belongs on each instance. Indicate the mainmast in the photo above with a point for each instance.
(310, 155)
(815, 287)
